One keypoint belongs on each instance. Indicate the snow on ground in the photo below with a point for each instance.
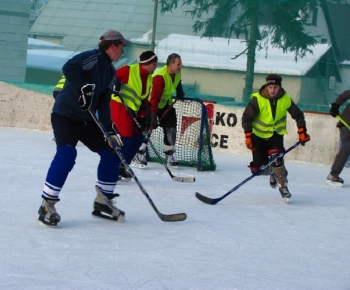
(249, 240)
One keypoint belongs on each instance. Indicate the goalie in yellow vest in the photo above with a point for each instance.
(165, 82)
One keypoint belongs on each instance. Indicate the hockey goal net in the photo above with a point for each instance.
(193, 146)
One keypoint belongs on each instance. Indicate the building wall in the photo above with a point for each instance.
(14, 28)
(320, 30)
(345, 84)
(230, 84)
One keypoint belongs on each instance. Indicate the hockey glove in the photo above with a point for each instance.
(154, 120)
(303, 137)
(114, 134)
(117, 87)
(334, 111)
(86, 96)
(249, 141)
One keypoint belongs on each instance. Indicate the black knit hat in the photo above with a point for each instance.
(274, 79)
(148, 57)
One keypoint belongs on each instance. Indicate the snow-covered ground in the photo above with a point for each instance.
(249, 240)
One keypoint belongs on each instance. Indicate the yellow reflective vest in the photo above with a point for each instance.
(60, 84)
(169, 87)
(131, 93)
(264, 125)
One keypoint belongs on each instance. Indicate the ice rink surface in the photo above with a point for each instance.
(249, 240)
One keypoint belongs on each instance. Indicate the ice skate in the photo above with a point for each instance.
(139, 161)
(48, 214)
(285, 193)
(172, 161)
(334, 179)
(104, 207)
(124, 175)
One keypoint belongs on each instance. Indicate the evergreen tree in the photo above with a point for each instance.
(36, 6)
(284, 27)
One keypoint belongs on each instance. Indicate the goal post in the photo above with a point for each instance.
(193, 145)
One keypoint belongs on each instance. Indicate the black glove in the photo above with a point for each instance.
(180, 94)
(114, 134)
(334, 111)
(117, 87)
(154, 120)
(142, 122)
(85, 97)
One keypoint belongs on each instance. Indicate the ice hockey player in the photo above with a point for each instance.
(90, 77)
(333, 177)
(167, 80)
(264, 122)
(136, 80)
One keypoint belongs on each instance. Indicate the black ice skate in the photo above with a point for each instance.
(48, 214)
(334, 179)
(124, 175)
(285, 193)
(104, 207)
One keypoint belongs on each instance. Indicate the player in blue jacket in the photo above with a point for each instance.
(90, 77)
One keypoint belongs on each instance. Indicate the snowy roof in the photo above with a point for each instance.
(48, 56)
(80, 23)
(47, 59)
(217, 53)
(36, 44)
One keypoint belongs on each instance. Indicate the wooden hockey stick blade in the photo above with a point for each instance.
(184, 179)
(177, 217)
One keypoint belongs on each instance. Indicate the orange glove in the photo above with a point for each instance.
(303, 137)
(249, 141)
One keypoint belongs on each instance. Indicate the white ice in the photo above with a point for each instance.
(249, 240)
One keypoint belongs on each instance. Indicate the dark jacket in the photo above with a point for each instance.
(89, 67)
(252, 110)
(340, 100)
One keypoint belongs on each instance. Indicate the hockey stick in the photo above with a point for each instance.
(164, 217)
(208, 200)
(173, 177)
(342, 120)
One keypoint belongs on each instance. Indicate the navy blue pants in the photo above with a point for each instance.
(67, 133)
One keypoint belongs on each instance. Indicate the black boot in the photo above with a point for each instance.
(124, 175)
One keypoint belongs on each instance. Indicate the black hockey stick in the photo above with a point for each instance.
(209, 200)
(164, 217)
(173, 177)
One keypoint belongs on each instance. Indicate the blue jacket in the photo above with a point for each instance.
(92, 67)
